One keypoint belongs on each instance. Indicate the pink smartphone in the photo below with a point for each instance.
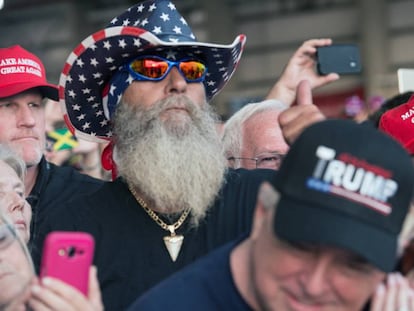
(68, 256)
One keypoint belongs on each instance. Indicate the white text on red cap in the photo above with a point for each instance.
(19, 65)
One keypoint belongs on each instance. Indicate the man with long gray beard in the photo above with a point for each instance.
(145, 89)
(179, 146)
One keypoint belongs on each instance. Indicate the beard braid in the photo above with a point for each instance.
(176, 163)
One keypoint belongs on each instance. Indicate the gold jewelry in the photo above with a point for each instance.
(172, 242)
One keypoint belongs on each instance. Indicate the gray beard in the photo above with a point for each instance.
(177, 163)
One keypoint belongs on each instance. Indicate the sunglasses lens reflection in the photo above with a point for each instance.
(155, 69)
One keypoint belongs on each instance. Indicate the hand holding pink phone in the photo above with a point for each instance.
(68, 256)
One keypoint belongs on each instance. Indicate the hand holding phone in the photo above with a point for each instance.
(68, 256)
(338, 58)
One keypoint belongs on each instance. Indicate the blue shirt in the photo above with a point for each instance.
(205, 285)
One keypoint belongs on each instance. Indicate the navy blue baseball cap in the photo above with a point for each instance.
(345, 185)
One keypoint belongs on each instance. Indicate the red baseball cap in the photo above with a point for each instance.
(21, 70)
(399, 124)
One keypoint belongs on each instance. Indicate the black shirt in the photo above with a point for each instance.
(54, 185)
(130, 253)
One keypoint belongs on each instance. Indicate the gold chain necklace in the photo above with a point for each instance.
(172, 242)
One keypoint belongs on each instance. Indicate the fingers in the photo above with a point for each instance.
(309, 49)
(309, 46)
(324, 80)
(391, 299)
(37, 305)
(295, 119)
(379, 298)
(301, 66)
(404, 298)
(331, 77)
(318, 42)
(304, 93)
(44, 299)
(94, 293)
(305, 55)
(54, 294)
(396, 294)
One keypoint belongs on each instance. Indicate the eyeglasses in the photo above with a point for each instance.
(270, 160)
(154, 68)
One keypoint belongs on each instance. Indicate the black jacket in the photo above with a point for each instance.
(54, 186)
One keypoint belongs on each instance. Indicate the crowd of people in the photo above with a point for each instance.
(281, 210)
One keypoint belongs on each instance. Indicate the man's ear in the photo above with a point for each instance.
(262, 209)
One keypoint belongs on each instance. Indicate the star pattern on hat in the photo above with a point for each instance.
(84, 91)
(85, 79)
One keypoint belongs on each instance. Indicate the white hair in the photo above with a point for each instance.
(232, 137)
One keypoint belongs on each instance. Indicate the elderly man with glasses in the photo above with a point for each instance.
(252, 137)
(258, 135)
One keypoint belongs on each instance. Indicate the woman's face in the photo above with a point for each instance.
(12, 200)
(16, 269)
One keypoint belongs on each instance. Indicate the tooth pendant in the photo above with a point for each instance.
(173, 243)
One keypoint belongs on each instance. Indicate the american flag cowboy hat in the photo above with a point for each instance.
(85, 91)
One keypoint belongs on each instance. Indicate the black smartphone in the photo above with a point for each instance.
(338, 58)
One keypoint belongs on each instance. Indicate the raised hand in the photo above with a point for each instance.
(53, 294)
(296, 118)
(301, 66)
(394, 295)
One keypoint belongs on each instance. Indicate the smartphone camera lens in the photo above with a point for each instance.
(71, 251)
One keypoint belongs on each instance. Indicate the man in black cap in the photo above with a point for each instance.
(323, 237)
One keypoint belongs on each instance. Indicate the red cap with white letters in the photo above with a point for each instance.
(21, 70)
(399, 123)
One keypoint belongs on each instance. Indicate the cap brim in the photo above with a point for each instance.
(47, 90)
(299, 222)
